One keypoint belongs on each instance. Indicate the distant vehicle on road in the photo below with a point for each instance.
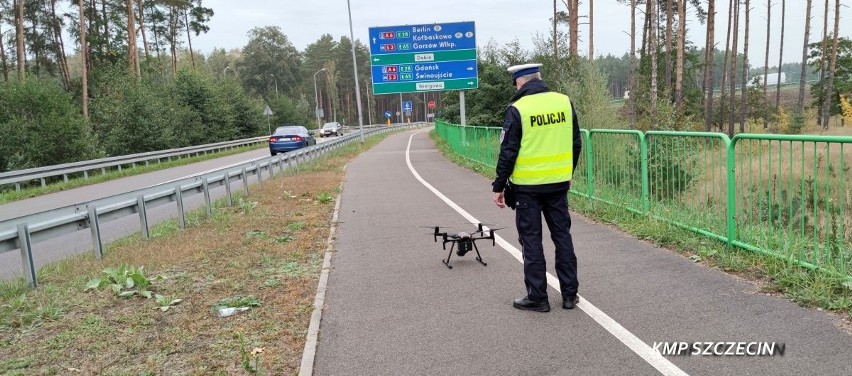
(290, 137)
(333, 128)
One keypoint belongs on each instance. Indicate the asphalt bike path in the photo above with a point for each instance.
(392, 306)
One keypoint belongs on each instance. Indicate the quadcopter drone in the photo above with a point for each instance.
(466, 241)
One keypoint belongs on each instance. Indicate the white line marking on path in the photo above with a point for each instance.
(613, 327)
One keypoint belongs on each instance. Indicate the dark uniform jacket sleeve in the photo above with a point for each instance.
(578, 138)
(509, 147)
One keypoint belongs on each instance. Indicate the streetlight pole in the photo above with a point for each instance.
(276, 85)
(316, 97)
(355, 68)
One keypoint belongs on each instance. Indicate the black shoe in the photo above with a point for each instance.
(531, 305)
(570, 302)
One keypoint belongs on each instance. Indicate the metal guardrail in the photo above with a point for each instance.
(43, 173)
(24, 232)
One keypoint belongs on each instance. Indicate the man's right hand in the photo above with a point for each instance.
(498, 199)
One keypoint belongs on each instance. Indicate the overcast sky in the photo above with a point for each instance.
(304, 21)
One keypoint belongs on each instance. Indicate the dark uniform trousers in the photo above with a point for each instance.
(554, 206)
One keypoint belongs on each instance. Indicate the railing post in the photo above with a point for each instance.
(181, 212)
(207, 202)
(259, 170)
(589, 165)
(26, 245)
(732, 191)
(244, 177)
(228, 188)
(143, 216)
(643, 152)
(95, 227)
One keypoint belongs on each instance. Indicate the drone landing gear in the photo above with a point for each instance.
(463, 249)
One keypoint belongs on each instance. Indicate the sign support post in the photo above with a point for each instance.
(268, 111)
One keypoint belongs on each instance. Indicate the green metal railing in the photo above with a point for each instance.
(779, 195)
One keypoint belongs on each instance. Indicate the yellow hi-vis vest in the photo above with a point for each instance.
(547, 144)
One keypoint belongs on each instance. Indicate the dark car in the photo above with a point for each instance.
(290, 137)
(333, 128)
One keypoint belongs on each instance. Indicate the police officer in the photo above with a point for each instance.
(539, 149)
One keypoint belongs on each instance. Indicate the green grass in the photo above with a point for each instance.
(806, 287)
(10, 194)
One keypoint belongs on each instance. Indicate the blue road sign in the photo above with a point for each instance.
(463, 69)
(388, 114)
(406, 106)
(418, 38)
(413, 58)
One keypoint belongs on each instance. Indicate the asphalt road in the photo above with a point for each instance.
(81, 241)
(392, 307)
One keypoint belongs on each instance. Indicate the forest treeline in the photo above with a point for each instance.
(94, 78)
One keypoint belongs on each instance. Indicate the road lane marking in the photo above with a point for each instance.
(655, 359)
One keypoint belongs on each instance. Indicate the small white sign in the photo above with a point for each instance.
(424, 57)
(430, 85)
(267, 111)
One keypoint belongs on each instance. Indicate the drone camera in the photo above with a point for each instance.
(464, 248)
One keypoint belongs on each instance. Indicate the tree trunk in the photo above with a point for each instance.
(669, 47)
(35, 48)
(832, 68)
(575, 19)
(744, 82)
(555, 40)
(646, 28)
(823, 61)
(709, 65)
(59, 44)
(83, 53)
(3, 57)
(732, 112)
(189, 37)
(157, 48)
(766, 59)
(105, 19)
(780, 57)
(173, 40)
(19, 37)
(141, 8)
(725, 72)
(681, 38)
(653, 47)
(631, 79)
(591, 30)
(800, 104)
(132, 47)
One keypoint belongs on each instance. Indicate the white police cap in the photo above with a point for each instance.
(523, 69)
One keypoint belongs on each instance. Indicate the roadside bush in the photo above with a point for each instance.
(133, 117)
(41, 126)
(247, 112)
(212, 119)
(286, 111)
